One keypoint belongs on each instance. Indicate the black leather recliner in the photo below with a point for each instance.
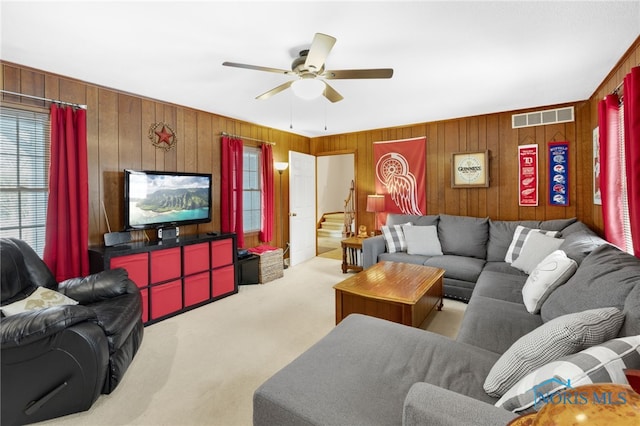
(58, 360)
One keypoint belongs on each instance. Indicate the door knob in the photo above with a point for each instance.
(293, 214)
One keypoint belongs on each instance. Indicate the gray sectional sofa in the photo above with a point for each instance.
(469, 246)
(369, 371)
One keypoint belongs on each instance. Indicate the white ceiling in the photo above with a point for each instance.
(450, 59)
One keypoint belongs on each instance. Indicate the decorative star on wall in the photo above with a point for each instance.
(164, 138)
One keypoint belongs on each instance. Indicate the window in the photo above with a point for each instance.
(251, 204)
(24, 155)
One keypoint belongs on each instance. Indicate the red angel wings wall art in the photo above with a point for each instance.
(400, 175)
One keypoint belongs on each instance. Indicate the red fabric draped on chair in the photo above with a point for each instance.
(231, 188)
(632, 151)
(67, 226)
(266, 231)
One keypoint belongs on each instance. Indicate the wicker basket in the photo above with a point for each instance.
(270, 266)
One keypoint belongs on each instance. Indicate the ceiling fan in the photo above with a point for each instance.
(309, 68)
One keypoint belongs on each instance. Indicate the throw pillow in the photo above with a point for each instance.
(520, 236)
(422, 240)
(553, 271)
(535, 249)
(599, 364)
(394, 237)
(562, 336)
(41, 298)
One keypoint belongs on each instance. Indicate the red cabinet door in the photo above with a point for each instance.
(137, 265)
(196, 288)
(223, 281)
(165, 265)
(196, 258)
(166, 299)
(221, 253)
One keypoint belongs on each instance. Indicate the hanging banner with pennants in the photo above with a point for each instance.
(559, 173)
(528, 175)
(400, 168)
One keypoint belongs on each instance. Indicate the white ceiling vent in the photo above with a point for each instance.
(541, 118)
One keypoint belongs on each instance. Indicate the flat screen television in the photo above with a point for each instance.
(154, 199)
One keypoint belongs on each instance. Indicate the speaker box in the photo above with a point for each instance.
(114, 238)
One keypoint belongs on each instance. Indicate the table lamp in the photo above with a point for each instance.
(375, 205)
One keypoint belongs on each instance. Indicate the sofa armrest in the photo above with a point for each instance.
(427, 404)
(371, 248)
(101, 286)
(31, 326)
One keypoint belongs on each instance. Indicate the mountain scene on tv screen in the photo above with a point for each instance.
(167, 200)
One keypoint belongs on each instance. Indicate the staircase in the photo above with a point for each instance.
(331, 225)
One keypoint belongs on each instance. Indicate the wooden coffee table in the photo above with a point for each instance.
(398, 292)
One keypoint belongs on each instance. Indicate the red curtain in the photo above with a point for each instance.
(266, 230)
(67, 226)
(231, 188)
(632, 152)
(610, 166)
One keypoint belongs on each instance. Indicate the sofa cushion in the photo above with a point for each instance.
(558, 225)
(598, 364)
(520, 237)
(361, 372)
(402, 257)
(494, 324)
(562, 336)
(606, 277)
(399, 219)
(41, 298)
(579, 244)
(394, 238)
(535, 249)
(457, 267)
(422, 240)
(464, 235)
(501, 286)
(501, 235)
(553, 271)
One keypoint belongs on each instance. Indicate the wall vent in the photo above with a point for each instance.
(541, 118)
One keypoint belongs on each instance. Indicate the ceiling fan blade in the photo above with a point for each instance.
(331, 94)
(320, 48)
(357, 74)
(275, 90)
(255, 67)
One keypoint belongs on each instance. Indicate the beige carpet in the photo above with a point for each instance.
(201, 367)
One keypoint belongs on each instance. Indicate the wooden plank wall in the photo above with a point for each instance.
(491, 132)
(117, 136)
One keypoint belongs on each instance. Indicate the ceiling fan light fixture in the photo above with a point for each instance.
(308, 88)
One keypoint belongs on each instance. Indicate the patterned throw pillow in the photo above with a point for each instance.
(521, 235)
(604, 363)
(41, 298)
(559, 337)
(535, 249)
(552, 272)
(394, 237)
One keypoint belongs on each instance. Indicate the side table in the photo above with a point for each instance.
(352, 254)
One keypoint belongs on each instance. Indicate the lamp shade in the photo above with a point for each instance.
(280, 166)
(308, 88)
(375, 203)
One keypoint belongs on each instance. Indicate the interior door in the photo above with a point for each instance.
(302, 207)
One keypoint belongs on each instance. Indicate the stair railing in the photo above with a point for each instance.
(349, 212)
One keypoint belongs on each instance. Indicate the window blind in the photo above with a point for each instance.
(24, 156)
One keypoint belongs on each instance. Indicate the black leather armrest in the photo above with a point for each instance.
(28, 327)
(103, 285)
